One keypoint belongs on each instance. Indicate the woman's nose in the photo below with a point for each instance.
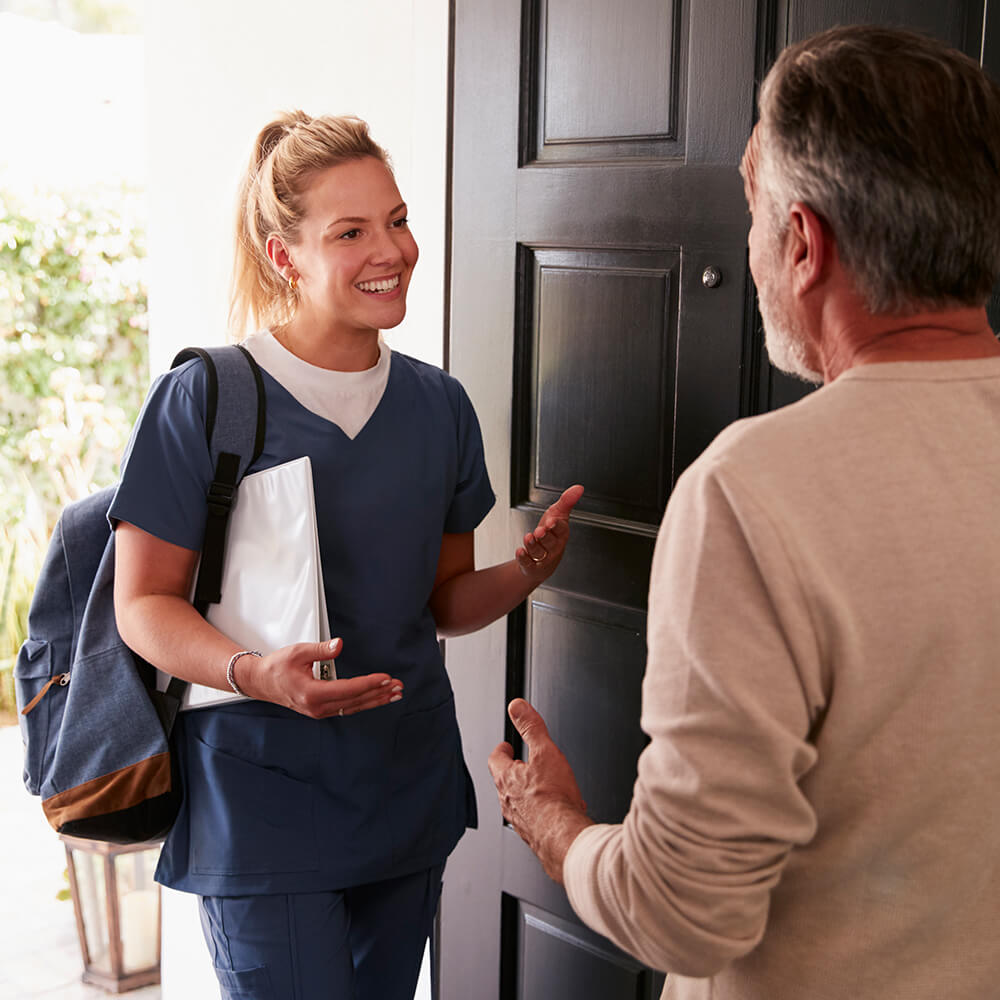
(385, 249)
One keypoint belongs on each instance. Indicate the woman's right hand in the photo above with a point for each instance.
(285, 678)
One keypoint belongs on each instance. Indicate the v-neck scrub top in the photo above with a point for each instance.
(275, 801)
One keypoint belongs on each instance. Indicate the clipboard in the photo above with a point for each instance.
(272, 578)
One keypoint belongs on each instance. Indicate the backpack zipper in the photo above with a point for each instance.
(61, 679)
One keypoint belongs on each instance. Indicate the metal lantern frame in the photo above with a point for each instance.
(109, 970)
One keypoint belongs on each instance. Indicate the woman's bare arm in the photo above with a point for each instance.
(465, 599)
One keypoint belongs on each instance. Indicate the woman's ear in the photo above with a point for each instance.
(277, 253)
(808, 245)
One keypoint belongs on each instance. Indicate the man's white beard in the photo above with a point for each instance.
(786, 344)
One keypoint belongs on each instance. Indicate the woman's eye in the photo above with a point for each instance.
(400, 223)
(351, 234)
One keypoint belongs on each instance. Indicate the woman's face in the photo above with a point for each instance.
(355, 252)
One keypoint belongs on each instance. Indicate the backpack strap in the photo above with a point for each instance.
(234, 388)
(235, 384)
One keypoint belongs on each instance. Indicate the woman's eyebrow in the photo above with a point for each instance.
(356, 218)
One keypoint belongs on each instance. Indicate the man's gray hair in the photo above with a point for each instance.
(894, 139)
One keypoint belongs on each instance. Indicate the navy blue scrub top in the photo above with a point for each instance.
(274, 801)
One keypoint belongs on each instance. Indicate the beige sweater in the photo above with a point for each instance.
(817, 816)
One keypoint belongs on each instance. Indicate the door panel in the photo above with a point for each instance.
(555, 957)
(604, 325)
(600, 329)
(950, 21)
(585, 102)
(583, 672)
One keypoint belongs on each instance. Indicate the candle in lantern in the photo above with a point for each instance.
(139, 912)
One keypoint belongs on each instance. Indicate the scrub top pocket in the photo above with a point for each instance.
(250, 815)
(428, 787)
(248, 984)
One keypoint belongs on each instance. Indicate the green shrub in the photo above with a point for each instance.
(73, 362)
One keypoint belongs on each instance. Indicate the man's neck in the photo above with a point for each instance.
(955, 334)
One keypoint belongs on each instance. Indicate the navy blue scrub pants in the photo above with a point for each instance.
(362, 943)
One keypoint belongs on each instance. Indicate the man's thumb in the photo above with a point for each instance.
(527, 721)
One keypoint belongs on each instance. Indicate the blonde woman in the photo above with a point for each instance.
(318, 815)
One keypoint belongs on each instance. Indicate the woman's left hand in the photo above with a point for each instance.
(543, 548)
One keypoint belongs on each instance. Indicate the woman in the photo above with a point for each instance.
(314, 829)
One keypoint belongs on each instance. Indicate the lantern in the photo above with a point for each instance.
(117, 906)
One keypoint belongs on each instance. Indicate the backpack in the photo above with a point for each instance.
(96, 730)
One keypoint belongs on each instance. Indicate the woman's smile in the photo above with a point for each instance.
(379, 286)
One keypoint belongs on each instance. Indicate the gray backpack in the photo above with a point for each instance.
(96, 730)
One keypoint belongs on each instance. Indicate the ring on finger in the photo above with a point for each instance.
(341, 712)
(545, 555)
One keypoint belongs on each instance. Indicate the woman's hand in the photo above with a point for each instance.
(543, 548)
(465, 599)
(285, 677)
(155, 618)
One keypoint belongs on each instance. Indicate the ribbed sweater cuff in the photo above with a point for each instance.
(580, 872)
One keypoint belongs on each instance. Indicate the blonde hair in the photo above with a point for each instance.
(286, 153)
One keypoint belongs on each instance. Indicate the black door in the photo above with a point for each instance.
(602, 319)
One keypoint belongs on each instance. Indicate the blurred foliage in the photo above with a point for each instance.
(66, 891)
(22, 548)
(72, 342)
(73, 363)
(112, 17)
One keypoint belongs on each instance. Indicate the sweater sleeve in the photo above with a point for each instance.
(730, 694)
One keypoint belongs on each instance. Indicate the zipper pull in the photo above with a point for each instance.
(61, 679)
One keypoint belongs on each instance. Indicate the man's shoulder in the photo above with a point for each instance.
(803, 424)
(777, 467)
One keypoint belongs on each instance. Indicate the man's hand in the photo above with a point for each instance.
(539, 797)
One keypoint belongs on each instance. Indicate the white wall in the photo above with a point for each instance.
(83, 124)
(216, 71)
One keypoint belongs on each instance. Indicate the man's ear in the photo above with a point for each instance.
(808, 245)
(279, 256)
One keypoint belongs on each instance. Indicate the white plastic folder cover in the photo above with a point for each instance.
(272, 580)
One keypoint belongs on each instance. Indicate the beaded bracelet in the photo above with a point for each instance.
(230, 676)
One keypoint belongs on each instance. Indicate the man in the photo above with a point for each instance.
(817, 815)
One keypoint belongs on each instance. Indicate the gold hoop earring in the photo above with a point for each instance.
(293, 282)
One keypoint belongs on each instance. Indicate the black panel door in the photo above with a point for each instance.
(603, 322)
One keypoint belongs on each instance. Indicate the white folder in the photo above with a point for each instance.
(272, 580)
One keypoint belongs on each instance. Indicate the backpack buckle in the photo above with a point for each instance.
(220, 498)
